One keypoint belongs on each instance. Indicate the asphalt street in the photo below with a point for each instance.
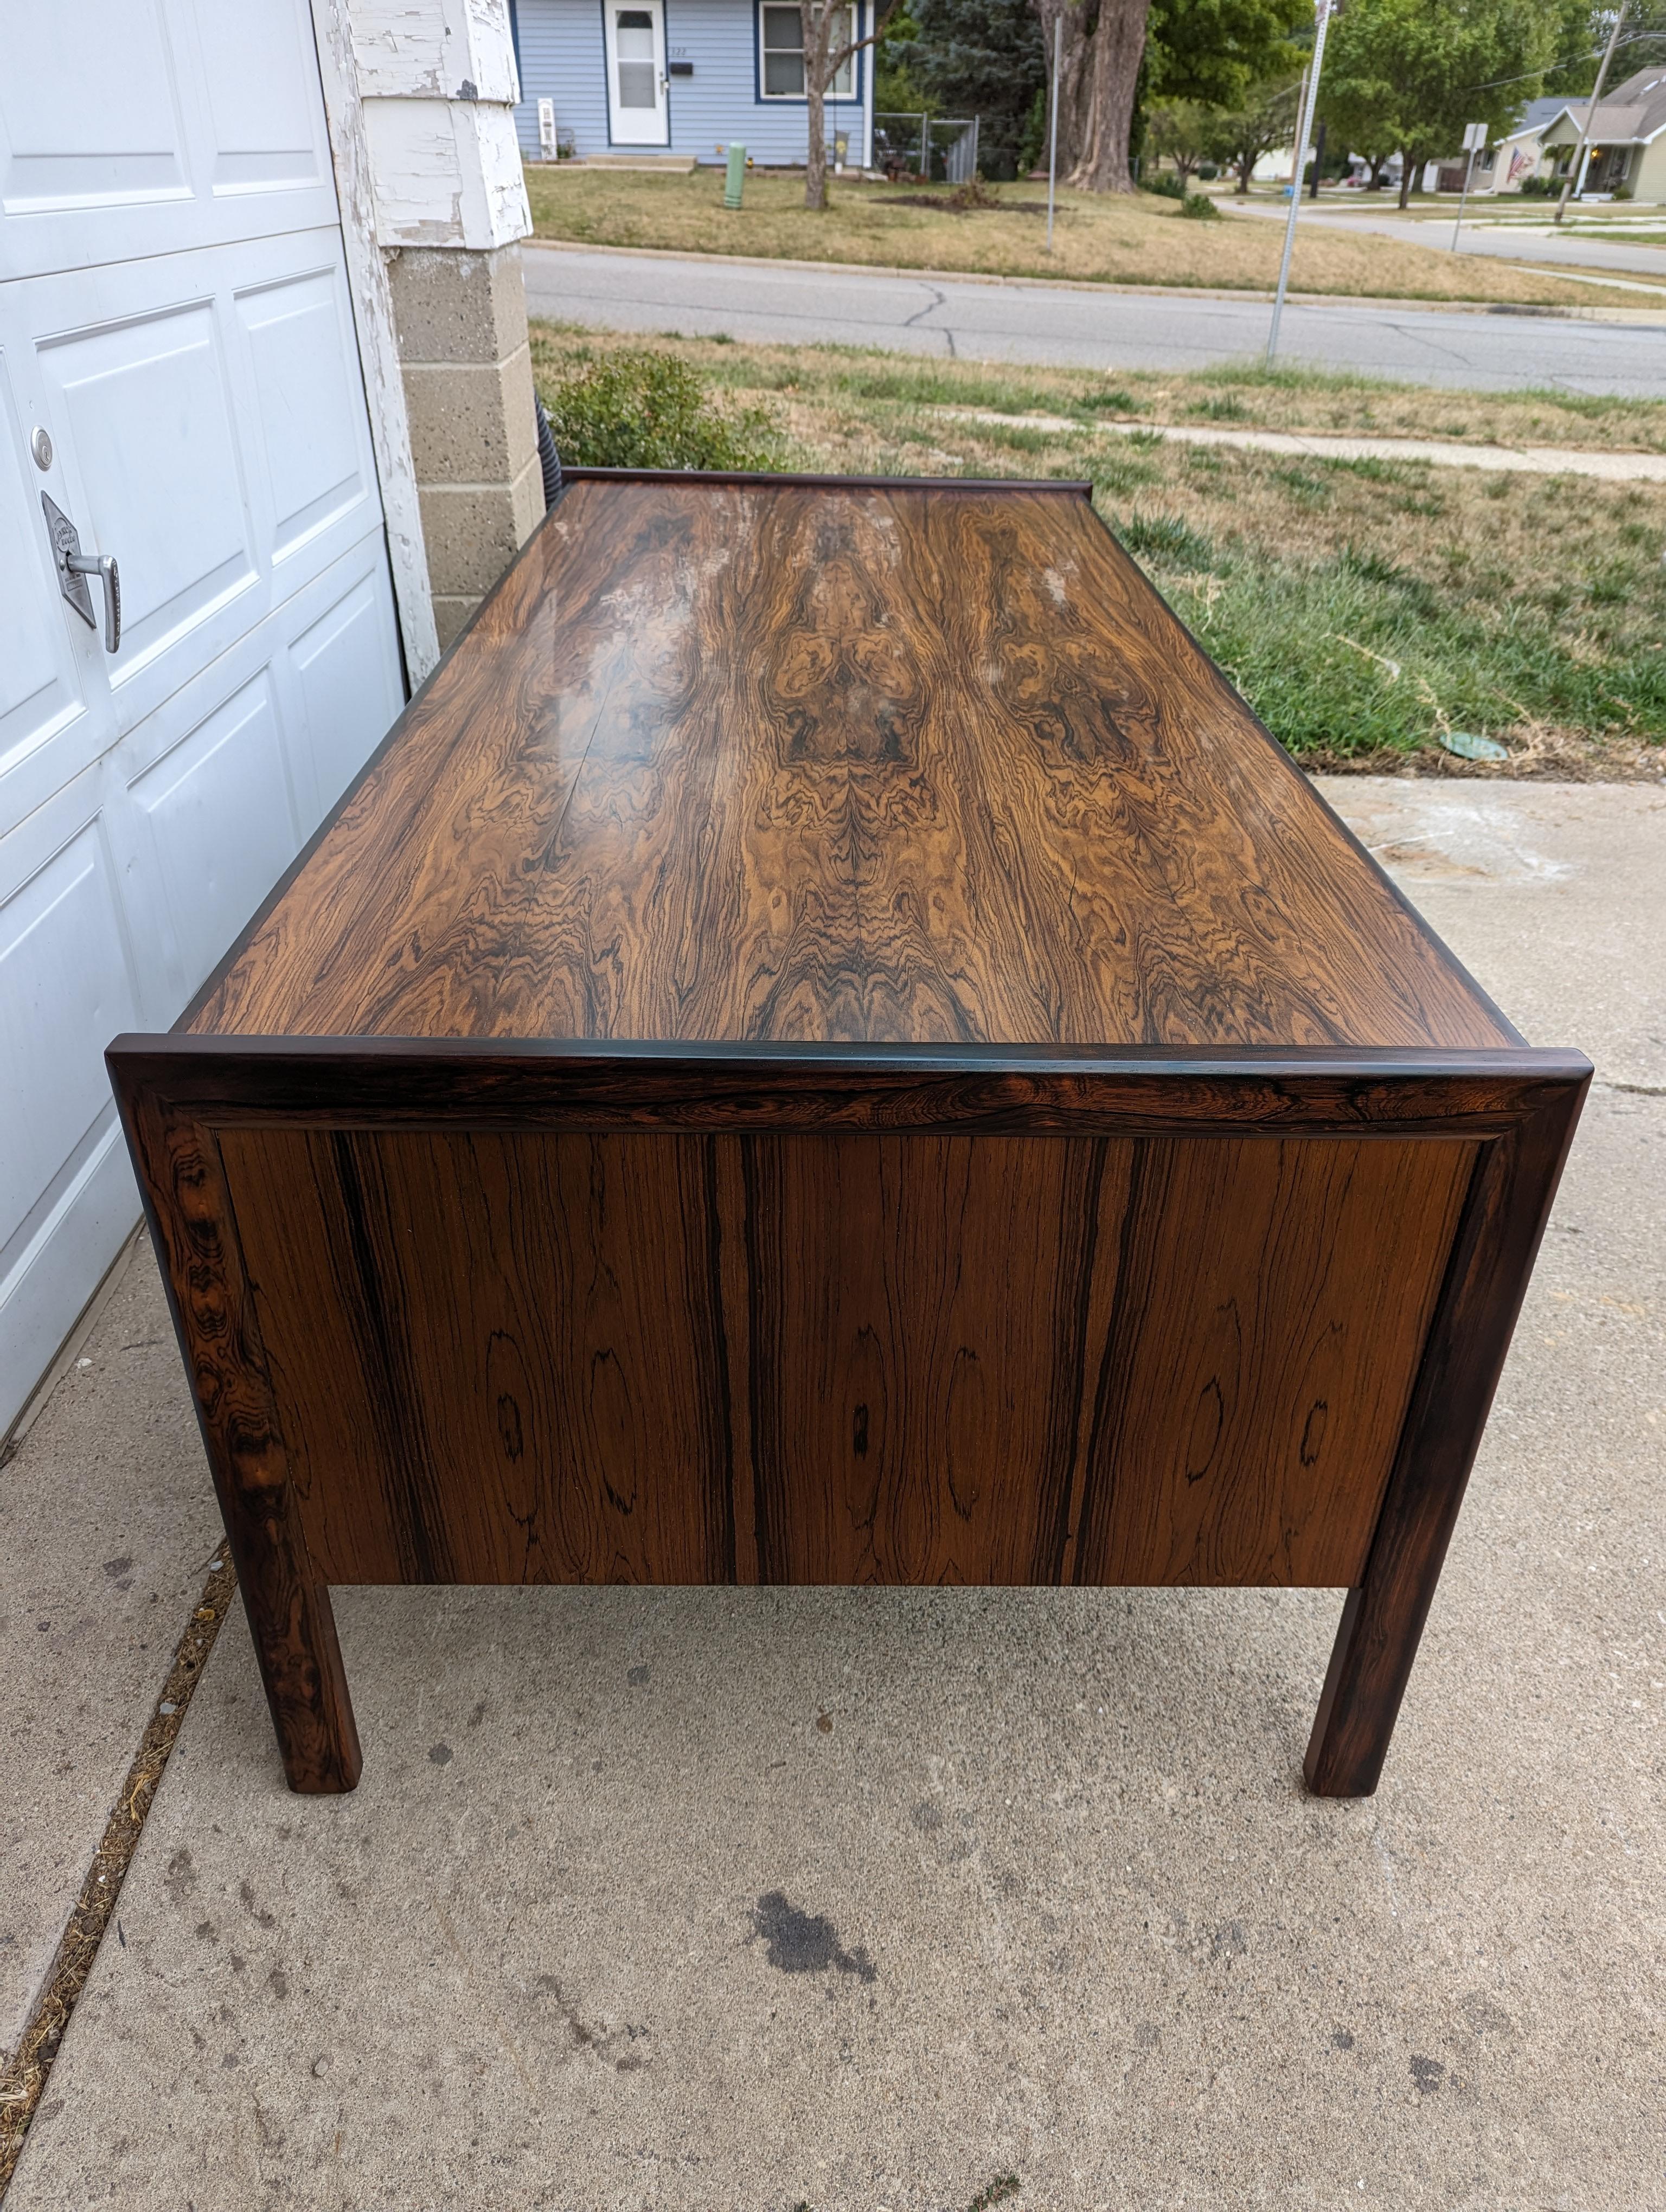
(964, 318)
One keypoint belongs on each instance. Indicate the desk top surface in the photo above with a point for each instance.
(792, 761)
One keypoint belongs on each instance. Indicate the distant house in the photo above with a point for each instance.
(1627, 148)
(681, 80)
(1506, 165)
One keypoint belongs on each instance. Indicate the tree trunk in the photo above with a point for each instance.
(1112, 57)
(816, 16)
(1406, 183)
(1073, 17)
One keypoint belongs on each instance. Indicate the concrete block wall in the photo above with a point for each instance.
(461, 323)
(434, 81)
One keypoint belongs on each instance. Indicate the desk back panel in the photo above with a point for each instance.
(534, 1356)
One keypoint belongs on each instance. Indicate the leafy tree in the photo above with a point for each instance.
(895, 87)
(1179, 130)
(1412, 73)
(1582, 32)
(1263, 120)
(1215, 50)
(981, 57)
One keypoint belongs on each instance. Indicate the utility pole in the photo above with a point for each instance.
(1052, 131)
(1318, 159)
(1305, 129)
(1581, 154)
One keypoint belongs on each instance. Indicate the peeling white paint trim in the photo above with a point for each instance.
(435, 50)
(446, 172)
(379, 348)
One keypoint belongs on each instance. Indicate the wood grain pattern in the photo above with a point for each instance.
(923, 1316)
(772, 761)
(896, 1359)
(1272, 1306)
(556, 1415)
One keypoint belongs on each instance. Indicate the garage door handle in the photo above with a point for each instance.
(102, 565)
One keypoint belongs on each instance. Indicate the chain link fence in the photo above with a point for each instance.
(936, 149)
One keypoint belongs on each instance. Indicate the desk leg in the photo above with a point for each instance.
(1497, 1235)
(190, 1216)
(294, 1641)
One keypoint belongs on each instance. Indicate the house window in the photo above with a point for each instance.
(638, 74)
(780, 48)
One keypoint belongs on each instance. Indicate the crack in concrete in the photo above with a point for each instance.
(937, 300)
(24, 2078)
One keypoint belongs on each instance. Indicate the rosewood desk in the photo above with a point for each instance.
(828, 1046)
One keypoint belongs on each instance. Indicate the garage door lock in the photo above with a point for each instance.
(75, 567)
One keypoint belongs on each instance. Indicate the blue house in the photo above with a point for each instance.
(683, 77)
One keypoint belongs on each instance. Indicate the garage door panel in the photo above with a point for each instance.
(217, 825)
(347, 671)
(261, 82)
(310, 418)
(46, 734)
(210, 433)
(93, 119)
(177, 319)
(57, 1260)
(136, 127)
(66, 987)
(154, 470)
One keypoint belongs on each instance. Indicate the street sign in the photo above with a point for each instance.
(1474, 142)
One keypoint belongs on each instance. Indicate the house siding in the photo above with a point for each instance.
(563, 59)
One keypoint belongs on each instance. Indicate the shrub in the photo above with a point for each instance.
(637, 409)
(1200, 207)
(1165, 188)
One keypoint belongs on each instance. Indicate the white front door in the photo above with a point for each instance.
(638, 111)
(179, 375)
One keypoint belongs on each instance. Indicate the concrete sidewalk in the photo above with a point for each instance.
(770, 1899)
(1502, 460)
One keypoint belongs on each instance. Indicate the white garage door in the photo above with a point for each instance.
(179, 375)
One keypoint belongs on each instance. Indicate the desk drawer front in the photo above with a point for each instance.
(841, 1359)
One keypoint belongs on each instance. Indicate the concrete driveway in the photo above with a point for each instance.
(911, 1899)
(1092, 327)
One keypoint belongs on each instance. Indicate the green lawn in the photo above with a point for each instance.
(1362, 607)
